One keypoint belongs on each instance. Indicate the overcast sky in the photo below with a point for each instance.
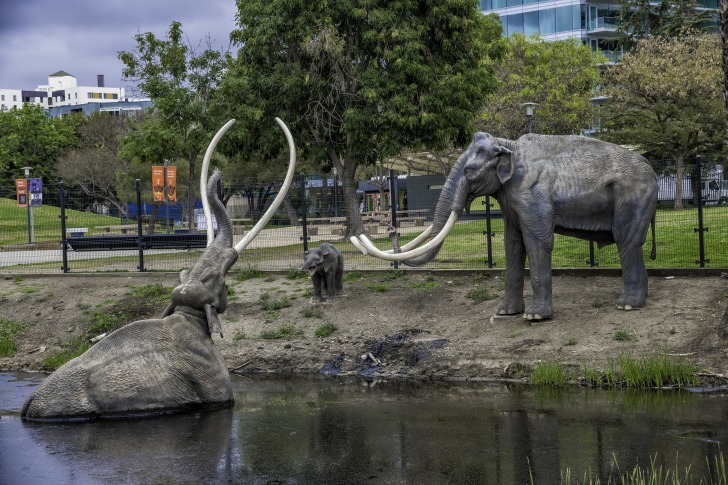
(82, 37)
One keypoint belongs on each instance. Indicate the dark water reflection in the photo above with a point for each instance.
(325, 430)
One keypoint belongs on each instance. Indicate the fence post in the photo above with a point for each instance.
(64, 243)
(701, 229)
(393, 197)
(488, 233)
(304, 209)
(591, 261)
(139, 224)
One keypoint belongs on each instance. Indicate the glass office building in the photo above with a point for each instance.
(593, 23)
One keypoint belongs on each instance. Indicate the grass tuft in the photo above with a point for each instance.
(269, 302)
(8, 330)
(153, 290)
(283, 332)
(71, 350)
(325, 330)
(548, 374)
(249, 272)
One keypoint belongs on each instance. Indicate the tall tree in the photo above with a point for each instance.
(31, 139)
(361, 80)
(723, 13)
(639, 19)
(560, 76)
(666, 99)
(93, 165)
(181, 81)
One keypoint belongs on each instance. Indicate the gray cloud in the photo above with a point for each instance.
(82, 37)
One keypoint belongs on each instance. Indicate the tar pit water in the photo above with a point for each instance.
(344, 430)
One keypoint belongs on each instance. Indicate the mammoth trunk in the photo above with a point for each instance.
(452, 198)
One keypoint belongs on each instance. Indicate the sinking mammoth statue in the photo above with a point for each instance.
(570, 185)
(161, 365)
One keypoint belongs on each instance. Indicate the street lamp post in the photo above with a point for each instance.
(530, 107)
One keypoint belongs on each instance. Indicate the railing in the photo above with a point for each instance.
(696, 236)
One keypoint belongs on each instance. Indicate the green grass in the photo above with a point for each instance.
(659, 370)
(152, 290)
(239, 335)
(249, 272)
(269, 302)
(548, 374)
(286, 332)
(623, 336)
(296, 274)
(479, 294)
(379, 287)
(102, 321)
(325, 330)
(312, 312)
(71, 350)
(8, 330)
(652, 475)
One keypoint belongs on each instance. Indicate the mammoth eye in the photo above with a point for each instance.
(470, 171)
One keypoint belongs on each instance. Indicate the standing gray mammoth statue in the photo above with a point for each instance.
(570, 185)
(325, 264)
(161, 365)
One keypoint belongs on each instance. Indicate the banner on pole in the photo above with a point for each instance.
(172, 183)
(36, 192)
(158, 183)
(21, 192)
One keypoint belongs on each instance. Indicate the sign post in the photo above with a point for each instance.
(22, 193)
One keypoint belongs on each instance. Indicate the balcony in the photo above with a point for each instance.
(602, 24)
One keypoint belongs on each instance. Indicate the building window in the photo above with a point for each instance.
(563, 19)
(547, 21)
(530, 23)
(514, 24)
(15, 97)
(2, 97)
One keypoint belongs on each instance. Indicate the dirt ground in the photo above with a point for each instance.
(412, 324)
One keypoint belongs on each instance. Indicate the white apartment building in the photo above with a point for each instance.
(63, 95)
(593, 22)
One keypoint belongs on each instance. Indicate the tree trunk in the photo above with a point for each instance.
(723, 13)
(679, 175)
(349, 185)
(291, 211)
(324, 195)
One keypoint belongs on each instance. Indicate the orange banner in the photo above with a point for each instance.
(172, 183)
(21, 192)
(158, 183)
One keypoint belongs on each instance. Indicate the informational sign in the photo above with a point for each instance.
(21, 192)
(36, 192)
(158, 183)
(172, 183)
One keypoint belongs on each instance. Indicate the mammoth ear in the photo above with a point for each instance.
(505, 166)
(328, 261)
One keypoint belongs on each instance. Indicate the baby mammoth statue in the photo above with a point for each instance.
(325, 264)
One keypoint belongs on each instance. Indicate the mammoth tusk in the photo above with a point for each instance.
(410, 245)
(388, 256)
(203, 179)
(281, 193)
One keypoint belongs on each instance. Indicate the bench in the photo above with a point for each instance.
(122, 228)
(77, 231)
(149, 241)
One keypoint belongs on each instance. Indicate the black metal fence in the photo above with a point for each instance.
(74, 232)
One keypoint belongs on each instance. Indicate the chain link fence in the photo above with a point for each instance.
(74, 232)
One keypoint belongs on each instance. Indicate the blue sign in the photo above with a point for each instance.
(36, 192)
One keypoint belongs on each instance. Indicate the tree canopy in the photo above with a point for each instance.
(639, 19)
(558, 75)
(359, 81)
(32, 139)
(665, 97)
(181, 80)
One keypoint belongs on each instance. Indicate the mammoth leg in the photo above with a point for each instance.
(630, 231)
(515, 267)
(317, 280)
(339, 275)
(539, 258)
(330, 276)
